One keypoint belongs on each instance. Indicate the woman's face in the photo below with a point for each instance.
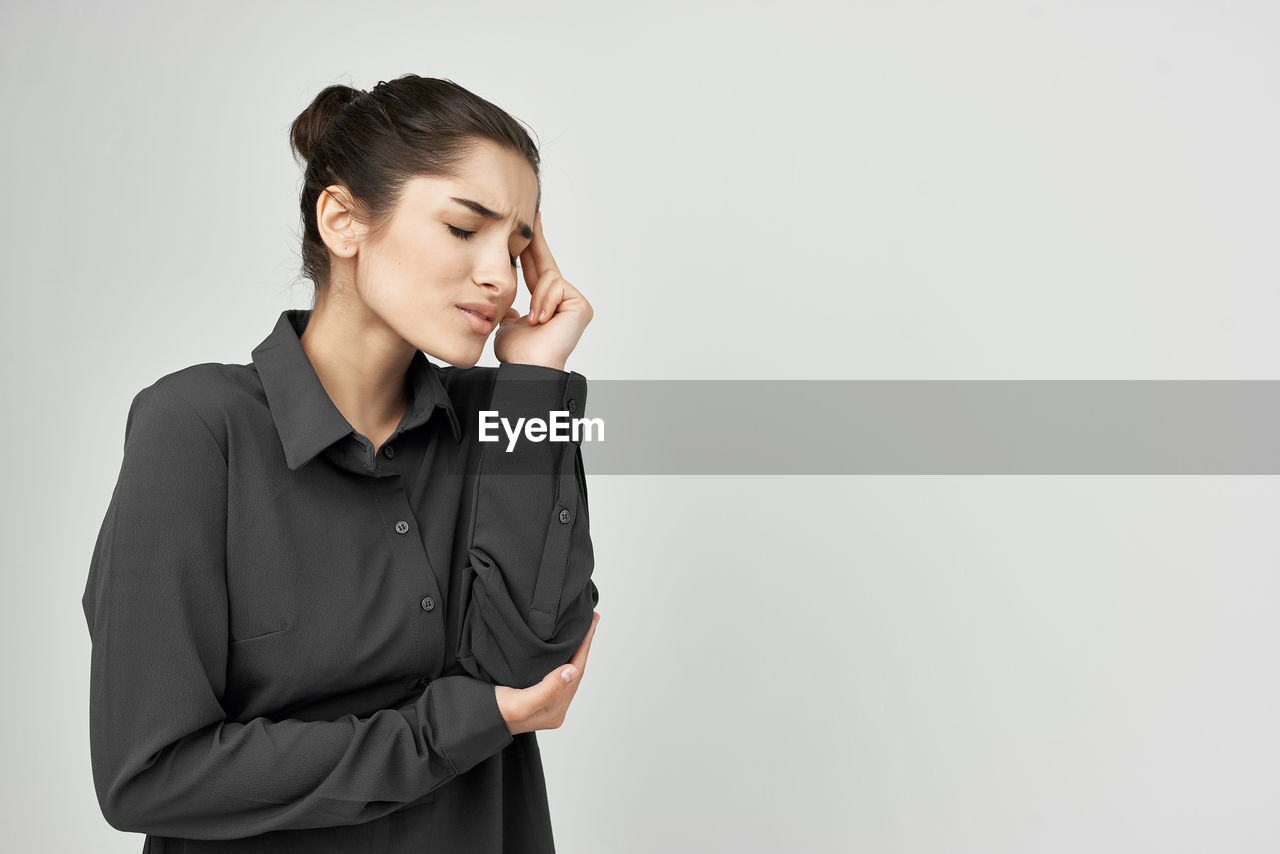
(439, 255)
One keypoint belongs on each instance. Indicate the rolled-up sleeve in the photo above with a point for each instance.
(532, 595)
(165, 759)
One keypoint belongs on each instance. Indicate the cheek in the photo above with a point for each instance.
(440, 268)
(426, 257)
(416, 275)
(428, 278)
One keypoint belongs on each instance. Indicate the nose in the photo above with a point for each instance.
(498, 279)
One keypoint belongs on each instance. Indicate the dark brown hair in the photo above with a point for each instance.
(373, 142)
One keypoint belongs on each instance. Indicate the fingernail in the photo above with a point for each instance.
(568, 673)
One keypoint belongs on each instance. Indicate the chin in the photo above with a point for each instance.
(459, 357)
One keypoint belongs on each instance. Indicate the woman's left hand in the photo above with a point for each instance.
(558, 312)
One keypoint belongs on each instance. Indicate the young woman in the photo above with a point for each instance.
(326, 615)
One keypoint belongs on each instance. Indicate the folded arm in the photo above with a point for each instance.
(531, 595)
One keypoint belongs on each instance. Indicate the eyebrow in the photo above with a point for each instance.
(523, 227)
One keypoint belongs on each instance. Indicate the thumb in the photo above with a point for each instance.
(569, 673)
(510, 317)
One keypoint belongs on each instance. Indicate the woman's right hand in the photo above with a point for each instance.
(544, 706)
(558, 312)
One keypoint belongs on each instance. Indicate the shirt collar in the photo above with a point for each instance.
(304, 414)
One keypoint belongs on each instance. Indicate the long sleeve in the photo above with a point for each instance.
(165, 759)
(531, 597)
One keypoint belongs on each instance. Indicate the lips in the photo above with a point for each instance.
(479, 323)
(487, 312)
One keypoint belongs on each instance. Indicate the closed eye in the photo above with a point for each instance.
(467, 235)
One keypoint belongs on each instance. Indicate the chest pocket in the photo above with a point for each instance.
(318, 603)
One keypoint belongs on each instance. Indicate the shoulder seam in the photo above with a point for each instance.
(162, 385)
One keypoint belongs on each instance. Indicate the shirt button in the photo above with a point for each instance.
(565, 516)
(389, 452)
(402, 527)
(428, 603)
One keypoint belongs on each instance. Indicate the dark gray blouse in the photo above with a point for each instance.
(295, 639)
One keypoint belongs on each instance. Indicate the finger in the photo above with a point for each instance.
(529, 268)
(510, 317)
(541, 253)
(546, 300)
(564, 297)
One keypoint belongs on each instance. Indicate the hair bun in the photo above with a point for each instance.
(309, 128)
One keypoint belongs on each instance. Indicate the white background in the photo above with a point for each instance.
(897, 190)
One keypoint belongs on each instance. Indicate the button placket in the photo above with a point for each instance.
(418, 573)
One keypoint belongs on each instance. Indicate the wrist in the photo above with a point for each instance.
(514, 723)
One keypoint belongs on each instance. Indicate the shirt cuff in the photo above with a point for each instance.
(463, 713)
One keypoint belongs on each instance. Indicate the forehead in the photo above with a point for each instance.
(496, 177)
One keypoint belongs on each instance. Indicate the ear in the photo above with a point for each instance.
(338, 228)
